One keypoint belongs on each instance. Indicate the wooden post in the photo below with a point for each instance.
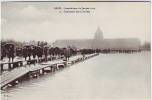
(43, 70)
(38, 72)
(51, 68)
(55, 66)
(9, 66)
(65, 63)
(15, 64)
(2, 69)
(28, 62)
(21, 63)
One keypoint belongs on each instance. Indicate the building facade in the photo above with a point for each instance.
(98, 42)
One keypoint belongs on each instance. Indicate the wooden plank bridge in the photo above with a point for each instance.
(5, 65)
(26, 72)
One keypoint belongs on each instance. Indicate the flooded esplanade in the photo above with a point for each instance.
(105, 76)
(75, 50)
(88, 69)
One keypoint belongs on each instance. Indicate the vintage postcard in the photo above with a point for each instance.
(75, 50)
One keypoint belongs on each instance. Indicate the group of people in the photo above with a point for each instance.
(27, 51)
(9, 50)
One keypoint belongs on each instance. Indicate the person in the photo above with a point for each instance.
(67, 54)
(34, 51)
(39, 52)
(10, 50)
(3, 52)
(45, 52)
(24, 52)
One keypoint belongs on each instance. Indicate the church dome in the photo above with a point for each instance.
(98, 34)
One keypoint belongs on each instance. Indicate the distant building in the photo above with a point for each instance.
(100, 43)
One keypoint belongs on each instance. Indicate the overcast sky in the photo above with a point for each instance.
(40, 21)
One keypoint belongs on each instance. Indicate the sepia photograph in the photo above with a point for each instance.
(75, 50)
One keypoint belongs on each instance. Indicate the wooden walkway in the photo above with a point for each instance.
(6, 65)
(30, 71)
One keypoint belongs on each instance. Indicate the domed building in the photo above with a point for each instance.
(100, 43)
(98, 35)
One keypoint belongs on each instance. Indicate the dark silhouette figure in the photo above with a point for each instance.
(10, 50)
(46, 51)
(39, 52)
(3, 52)
(25, 52)
(34, 51)
(19, 51)
(67, 53)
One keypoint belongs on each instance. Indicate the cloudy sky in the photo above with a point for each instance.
(25, 21)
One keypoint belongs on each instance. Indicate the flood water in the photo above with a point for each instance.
(104, 77)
